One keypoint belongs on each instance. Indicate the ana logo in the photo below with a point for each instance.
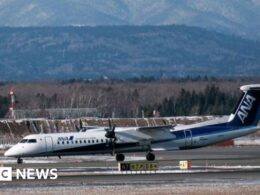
(70, 138)
(246, 106)
(5, 173)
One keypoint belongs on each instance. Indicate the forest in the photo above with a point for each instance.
(131, 97)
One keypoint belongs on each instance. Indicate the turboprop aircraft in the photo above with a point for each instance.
(120, 140)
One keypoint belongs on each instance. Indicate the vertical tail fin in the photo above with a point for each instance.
(247, 113)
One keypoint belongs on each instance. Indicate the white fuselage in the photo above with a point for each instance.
(95, 142)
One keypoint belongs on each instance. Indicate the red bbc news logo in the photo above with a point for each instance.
(5, 173)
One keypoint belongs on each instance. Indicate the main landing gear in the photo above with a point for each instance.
(19, 161)
(149, 156)
(120, 157)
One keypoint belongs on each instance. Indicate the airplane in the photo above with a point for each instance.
(120, 140)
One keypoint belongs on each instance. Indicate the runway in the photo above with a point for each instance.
(210, 166)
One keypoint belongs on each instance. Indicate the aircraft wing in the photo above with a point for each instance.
(158, 133)
(144, 134)
(156, 128)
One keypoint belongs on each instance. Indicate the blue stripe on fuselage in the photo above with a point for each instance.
(205, 130)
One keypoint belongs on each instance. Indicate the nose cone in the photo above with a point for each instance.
(11, 152)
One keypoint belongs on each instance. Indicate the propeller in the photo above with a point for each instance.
(80, 124)
(80, 128)
(77, 128)
(110, 133)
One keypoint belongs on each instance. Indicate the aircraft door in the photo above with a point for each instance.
(188, 138)
(48, 144)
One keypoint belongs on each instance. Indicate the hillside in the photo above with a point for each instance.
(123, 51)
(239, 17)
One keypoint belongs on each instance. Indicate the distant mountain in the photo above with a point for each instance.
(123, 51)
(240, 17)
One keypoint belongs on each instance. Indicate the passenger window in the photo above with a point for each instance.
(32, 141)
(76, 142)
(58, 143)
(80, 142)
(101, 140)
(97, 140)
(62, 142)
(85, 141)
(68, 142)
(89, 141)
(93, 141)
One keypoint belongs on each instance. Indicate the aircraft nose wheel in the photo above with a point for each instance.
(150, 156)
(120, 157)
(19, 161)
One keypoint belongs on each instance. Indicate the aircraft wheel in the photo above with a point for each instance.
(120, 157)
(19, 161)
(150, 156)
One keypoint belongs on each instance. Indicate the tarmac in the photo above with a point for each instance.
(232, 167)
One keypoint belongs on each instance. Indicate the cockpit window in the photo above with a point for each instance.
(32, 141)
(24, 141)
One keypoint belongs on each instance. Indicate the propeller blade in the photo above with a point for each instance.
(113, 128)
(80, 124)
(110, 132)
(77, 128)
(109, 124)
